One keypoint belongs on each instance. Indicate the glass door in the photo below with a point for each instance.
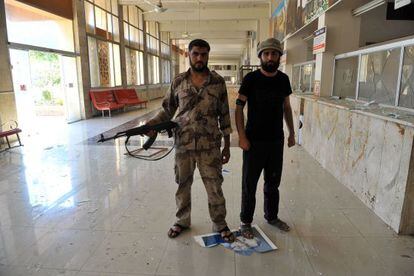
(70, 87)
(23, 89)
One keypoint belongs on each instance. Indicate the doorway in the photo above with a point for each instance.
(46, 89)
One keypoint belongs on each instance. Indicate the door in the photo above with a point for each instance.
(22, 86)
(71, 89)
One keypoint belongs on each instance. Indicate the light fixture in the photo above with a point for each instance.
(367, 7)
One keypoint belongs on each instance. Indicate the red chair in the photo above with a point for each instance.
(10, 128)
(128, 97)
(104, 100)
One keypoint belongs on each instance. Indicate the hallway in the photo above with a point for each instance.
(70, 207)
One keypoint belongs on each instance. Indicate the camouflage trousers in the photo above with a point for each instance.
(210, 166)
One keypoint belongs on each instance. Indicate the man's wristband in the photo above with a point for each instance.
(240, 102)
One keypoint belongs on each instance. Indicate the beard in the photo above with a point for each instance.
(197, 67)
(269, 66)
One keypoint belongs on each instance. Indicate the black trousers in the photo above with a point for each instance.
(267, 156)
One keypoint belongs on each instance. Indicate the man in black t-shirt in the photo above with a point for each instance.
(266, 92)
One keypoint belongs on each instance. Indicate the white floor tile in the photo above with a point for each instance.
(184, 257)
(127, 252)
(342, 256)
(15, 240)
(35, 271)
(61, 249)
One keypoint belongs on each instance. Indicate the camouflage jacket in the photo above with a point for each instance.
(203, 115)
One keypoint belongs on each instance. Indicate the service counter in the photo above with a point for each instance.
(368, 148)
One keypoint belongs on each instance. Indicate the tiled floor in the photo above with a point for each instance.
(69, 207)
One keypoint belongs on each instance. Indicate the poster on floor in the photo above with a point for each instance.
(260, 243)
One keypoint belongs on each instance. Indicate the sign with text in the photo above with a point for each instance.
(401, 3)
(319, 41)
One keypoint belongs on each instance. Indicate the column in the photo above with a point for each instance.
(81, 48)
(8, 109)
(323, 68)
(122, 46)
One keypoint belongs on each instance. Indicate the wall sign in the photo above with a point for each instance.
(319, 41)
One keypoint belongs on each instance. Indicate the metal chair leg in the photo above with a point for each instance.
(18, 138)
(8, 143)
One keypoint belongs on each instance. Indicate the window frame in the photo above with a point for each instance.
(105, 39)
(139, 27)
(152, 33)
(300, 65)
(127, 44)
(402, 44)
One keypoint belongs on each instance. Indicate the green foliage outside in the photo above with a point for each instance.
(46, 78)
(47, 96)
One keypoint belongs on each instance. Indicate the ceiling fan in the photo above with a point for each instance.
(187, 34)
(158, 7)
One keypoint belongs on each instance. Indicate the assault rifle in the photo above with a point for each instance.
(142, 130)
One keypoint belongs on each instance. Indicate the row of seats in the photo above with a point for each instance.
(114, 99)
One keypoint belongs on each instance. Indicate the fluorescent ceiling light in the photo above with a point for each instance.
(367, 7)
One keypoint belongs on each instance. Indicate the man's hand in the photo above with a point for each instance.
(151, 133)
(244, 144)
(225, 155)
(291, 140)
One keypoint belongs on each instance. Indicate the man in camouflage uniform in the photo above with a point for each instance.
(203, 118)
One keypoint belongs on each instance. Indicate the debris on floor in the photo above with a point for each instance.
(80, 202)
(261, 243)
(91, 211)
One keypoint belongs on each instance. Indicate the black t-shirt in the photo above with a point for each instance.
(265, 99)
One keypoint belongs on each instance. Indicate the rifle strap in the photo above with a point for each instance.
(146, 158)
